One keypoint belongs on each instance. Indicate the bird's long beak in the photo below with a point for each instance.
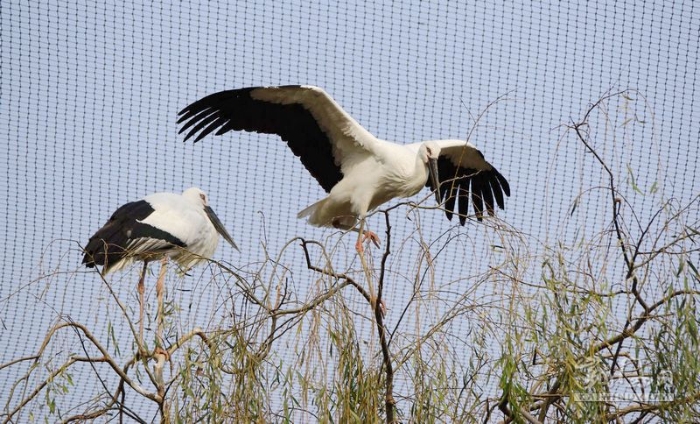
(219, 226)
(433, 171)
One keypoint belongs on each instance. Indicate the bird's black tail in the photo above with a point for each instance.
(107, 247)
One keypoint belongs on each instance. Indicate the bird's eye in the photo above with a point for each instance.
(204, 197)
(430, 152)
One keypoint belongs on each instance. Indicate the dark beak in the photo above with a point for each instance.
(433, 175)
(219, 226)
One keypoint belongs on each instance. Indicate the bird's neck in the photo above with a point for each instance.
(417, 177)
(421, 168)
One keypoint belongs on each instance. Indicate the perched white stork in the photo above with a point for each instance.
(357, 170)
(182, 227)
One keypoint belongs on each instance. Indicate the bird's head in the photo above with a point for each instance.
(429, 150)
(429, 153)
(199, 197)
(196, 196)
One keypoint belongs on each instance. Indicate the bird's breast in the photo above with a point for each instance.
(398, 180)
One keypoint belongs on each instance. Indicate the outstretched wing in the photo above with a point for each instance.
(464, 173)
(325, 137)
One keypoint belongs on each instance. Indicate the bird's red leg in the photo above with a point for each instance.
(160, 285)
(141, 289)
(361, 237)
(160, 289)
(369, 235)
(358, 245)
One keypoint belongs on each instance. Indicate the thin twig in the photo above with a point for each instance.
(390, 402)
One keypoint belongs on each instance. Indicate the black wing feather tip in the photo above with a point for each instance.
(487, 194)
(198, 118)
(463, 194)
(502, 180)
(224, 129)
(497, 192)
(208, 129)
(476, 203)
(185, 114)
(203, 124)
(451, 199)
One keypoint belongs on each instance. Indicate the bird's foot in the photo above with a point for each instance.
(369, 235)
(366, 235)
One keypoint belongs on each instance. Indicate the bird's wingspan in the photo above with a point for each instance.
(314, 126)
(463, 173)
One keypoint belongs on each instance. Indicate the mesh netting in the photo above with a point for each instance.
(91, 92)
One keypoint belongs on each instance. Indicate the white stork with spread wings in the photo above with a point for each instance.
(357, 170)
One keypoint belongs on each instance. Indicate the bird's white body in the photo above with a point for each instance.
(181, 226)
(182, 216)
(372, 177)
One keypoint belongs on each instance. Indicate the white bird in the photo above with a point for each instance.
(357, 170)
(182, 227)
